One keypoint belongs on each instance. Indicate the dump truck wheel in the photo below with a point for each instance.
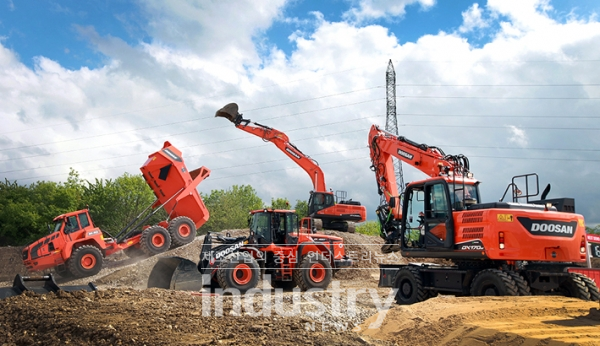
(239, 271)
(85, 261)
(182, 230)
(155, 240)
(314, 271)
(409, 283)
(63, 271)
(575, 287)
(285, 285)
(493, 282)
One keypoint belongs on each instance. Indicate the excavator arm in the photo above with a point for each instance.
(337, 215)
(281, 141)
(430, 160)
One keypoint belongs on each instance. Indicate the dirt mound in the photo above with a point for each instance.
(149, 317)
(11, 263)
(123, 313)
(533, 320)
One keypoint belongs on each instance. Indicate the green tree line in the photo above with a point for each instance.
(26, 210)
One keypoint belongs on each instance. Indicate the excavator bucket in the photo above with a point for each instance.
(175, 273)
(41, 285)
(230, 112)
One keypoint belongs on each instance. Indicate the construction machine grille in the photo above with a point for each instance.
(472, 217)
(472, 232)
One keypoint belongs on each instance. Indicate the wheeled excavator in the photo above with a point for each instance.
(333, 212)
(498, 248)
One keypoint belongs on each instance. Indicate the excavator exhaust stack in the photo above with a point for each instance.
(41, 285)
(175, 273)
(230, 112)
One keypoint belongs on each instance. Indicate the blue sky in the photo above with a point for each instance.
(98, 85)
(50, 28)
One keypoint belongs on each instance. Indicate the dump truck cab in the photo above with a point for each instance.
(67, 230)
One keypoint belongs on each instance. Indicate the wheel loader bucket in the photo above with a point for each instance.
(175, 273)
(230, 112)
(41, 285)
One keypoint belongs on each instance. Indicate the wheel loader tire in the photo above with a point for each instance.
(155, 240)
(409, 283)
(493, 282)
(314, 271)
(575, 287)
(522, 285)
(238, 270)
(86, 260)
(182, 230)
(284, 285)
(592, 287)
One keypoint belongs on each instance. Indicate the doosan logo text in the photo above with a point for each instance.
(222, 254)
(405, 154)
(294, 154)
(555, 228)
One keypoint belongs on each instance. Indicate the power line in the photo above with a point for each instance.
(181, 133)
(345, 160)
(333, 95)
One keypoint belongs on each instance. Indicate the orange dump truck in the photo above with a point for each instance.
(75, 247)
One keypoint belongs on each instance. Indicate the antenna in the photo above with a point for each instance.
(391, 122)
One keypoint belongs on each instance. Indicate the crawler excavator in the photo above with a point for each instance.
(334, 212)
(498, 248)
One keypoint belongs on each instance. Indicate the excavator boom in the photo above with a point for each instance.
(280, 140)
(338, 215)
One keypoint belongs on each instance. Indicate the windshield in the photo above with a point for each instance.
(461, 192)
(260, 225)
(319, 200)
(57, 225)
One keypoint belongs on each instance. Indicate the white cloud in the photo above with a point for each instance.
(517, 136)
(472, 19)
(324, 96)
(374, 9)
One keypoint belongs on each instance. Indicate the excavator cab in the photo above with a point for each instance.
(427, 221)
(319, 201)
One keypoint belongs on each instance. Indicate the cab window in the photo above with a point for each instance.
(71, 224)
(291, 223)
(83, 220)
(261, 226)
(438, 202)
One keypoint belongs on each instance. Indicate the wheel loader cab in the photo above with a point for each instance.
(272, 227)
